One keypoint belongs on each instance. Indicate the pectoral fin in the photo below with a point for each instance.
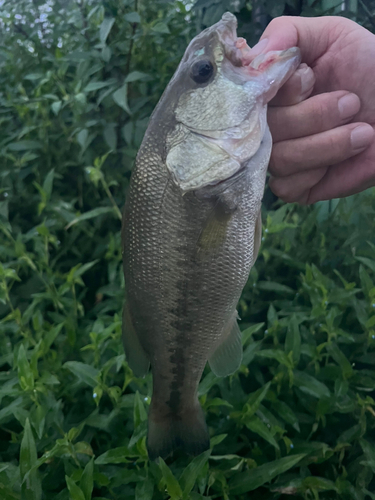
(228, 356)
(213, 234)
(135, 355)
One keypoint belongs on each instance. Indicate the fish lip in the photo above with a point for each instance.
(227, 32)
(238, 52)
(284, 55)
(227, 26)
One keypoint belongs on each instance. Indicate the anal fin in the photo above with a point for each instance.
(228, 355)
(135, 355)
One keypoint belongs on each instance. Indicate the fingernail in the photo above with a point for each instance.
(361, 136)
(307, 79)
(348, 105)
(259, 47)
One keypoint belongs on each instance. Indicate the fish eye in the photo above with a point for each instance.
(202, 71)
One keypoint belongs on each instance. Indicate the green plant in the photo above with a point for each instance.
(78, 81)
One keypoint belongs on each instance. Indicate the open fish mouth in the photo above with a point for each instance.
(239, 54)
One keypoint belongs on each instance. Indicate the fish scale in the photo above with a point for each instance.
(189, 247)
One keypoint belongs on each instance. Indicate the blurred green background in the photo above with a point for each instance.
(78, 81)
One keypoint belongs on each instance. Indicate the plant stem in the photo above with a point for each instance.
(109, 194)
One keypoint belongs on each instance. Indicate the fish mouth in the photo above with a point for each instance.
(240, 55)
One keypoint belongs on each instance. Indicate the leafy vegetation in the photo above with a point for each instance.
(79, 80)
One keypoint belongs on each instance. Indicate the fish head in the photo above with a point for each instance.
(216, 105)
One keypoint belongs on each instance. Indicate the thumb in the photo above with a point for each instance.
(313, 35)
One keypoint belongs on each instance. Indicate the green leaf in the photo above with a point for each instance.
(246, 334)
(132, 17)
(96, 86)
(252, 479)
(318, 484)
(79, 270)
(366, 281)
(144, 489)
(276, 354)
(215, 440)
(250, 352)
(341, 360)
(31, 486)
(139, 413)
(189, 475)
(24, 145)
(85, 373)
(121, 98)
(293, 340)
(105, 28)
(110, 135)
(286, 413)
(351, 434)
(34, 76)
(272, 286)
(257, 426)
(75, 491)
(56, 106)
(91, 214)
(87, 480)
(139, 432)
(171, 483)
(254, 399)
(370, 322)
(114, 456)
(310, 385)
(48, 183)
(161, 27)
(136, 75)
(10, 409)
(367, 262)
(37, 419)
(217, 402)
(82, 137)
(25, 373)
(369, 451)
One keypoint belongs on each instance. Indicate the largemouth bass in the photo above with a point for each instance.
(192, 225)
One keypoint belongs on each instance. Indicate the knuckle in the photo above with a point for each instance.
(277, 22)
(336, 148)
(282, 190)
(320, 113)
(279, 160)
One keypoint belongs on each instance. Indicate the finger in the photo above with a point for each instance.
(296, 187)
(317, 114)
(297, 88)
(320, 150)
(347, 178)
(312, 35)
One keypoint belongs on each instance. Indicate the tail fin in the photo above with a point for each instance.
(187, 431)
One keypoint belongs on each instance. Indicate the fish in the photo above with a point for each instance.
(192, 226)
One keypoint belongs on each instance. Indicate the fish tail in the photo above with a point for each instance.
(186, 430)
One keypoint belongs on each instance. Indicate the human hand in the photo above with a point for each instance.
(323, 119)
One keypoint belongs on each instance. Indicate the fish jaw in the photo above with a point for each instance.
(275, 68)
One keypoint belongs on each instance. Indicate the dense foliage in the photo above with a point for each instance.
(78, 81)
